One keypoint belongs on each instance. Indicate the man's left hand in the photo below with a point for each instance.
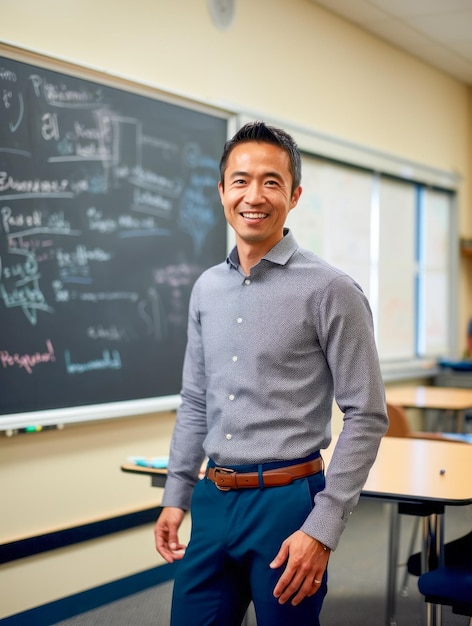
(306, 560)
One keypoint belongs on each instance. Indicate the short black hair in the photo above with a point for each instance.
(259, 131)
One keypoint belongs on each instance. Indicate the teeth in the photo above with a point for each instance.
(255, 216)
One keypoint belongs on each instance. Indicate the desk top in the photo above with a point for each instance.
(405, 470)
(447, 398)
(410, 470)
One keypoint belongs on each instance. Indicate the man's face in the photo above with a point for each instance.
(257, 194)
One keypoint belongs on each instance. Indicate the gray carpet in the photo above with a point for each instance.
(357, 580)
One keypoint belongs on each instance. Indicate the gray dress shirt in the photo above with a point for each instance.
(266, 354)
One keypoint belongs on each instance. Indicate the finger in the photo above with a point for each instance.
(163, 548)
(175, 555)
(162, 544)
(297, 586)
(170, 553)
(165, 553)
(287, 586)
(174, 543)
(280, 558)
(178, 553)
(306, 590)
(317, 582)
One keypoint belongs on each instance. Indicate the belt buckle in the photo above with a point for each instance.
(222, 470)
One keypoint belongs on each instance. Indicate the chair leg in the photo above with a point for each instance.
(429, 614)
(426, 544)
(434, 614)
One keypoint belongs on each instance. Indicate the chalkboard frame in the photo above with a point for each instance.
(11, 422)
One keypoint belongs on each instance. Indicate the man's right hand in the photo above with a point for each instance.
(166, 534)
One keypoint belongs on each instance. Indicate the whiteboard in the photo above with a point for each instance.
(333, 216)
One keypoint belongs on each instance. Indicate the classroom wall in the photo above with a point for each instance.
(285, 60)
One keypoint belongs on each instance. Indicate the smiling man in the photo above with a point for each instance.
(274, 335)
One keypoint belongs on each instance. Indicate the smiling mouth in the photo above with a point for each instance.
(254, 216)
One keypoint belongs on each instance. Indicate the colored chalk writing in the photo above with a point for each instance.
(109, 211)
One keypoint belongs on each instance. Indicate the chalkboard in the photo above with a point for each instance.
(109, 212)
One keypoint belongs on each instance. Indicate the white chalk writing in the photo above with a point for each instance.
(22, 289)
(39, 186)
(59, 94)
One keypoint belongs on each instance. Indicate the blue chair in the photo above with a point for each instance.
(450, 586)
(456, 553)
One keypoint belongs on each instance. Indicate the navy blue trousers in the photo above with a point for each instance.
(235, 535)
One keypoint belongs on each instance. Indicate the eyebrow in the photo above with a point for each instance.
(242, 173)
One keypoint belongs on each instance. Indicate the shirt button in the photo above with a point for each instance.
(239, 320)
(247, 281)
(231, 396)
(235, 358)
(228, 436)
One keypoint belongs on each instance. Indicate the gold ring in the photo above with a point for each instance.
(318, 582)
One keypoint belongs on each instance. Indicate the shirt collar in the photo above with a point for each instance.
(279, 254)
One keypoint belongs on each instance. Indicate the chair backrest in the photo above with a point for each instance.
(399, 426)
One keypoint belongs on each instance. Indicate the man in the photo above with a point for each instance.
(274, 334)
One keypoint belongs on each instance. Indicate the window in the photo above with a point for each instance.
(395, 315)
(391, 224)
(435, 273)
(394, 237)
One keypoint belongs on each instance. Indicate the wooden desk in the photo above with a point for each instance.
(404, 470)
(416, 471)
(429, 473)
(455, 399)
(158, 476)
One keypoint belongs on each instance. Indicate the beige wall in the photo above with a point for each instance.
(284, 59)
(56, 479)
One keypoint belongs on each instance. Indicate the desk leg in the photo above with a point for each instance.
(433, 539)
(392, 564)
(438, 537)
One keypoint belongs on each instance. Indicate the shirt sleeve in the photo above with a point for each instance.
(346, 334)
(186, 450)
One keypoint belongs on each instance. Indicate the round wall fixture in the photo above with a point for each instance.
(222, 12)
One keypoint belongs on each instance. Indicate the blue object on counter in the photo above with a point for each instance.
(157, 462)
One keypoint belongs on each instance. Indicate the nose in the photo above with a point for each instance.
(254, 193)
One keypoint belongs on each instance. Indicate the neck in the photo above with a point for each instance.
(251, 253)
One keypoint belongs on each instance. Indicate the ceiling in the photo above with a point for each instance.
(436, 31)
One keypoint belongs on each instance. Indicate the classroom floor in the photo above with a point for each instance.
(357, 580)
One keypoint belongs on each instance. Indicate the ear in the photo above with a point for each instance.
(295, 197)
(221, 191)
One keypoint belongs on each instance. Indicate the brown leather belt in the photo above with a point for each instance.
(226, 479)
